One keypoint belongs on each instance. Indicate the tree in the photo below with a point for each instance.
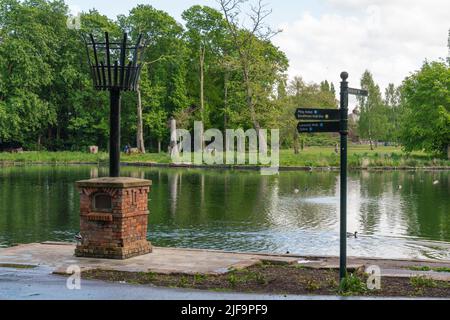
(165, 60)
(373, 119)
(32, 70)
(425, 121)
(80, 123)
(218, 69)
(260, 62)
(302, 95)
(205, 31)
(392, 103)
(448, 45)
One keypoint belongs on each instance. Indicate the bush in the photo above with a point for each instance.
(352, 285)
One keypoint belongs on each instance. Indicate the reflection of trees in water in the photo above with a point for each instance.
(173, 192)
(403, 187)
(94, 172)
(39, 203)
(406, 203)
(247, 198)
(430, 204)
(308, 183)
(220, 196)
(287, 209)
(267, 200)
(371, 192)
(138, 174)
(382, 202)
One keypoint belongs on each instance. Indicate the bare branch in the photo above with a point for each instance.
(162, 57)
(258, 15)
(231, 9)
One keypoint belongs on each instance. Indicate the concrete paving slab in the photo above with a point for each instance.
(38, 284)
(59, 256)
(163, 260)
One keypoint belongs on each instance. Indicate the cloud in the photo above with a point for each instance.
(390, 38)
(74, 9)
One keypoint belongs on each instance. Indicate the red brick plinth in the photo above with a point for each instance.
(113, 218)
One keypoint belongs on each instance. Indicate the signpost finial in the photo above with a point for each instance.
(344, 75)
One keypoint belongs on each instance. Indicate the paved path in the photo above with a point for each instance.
(163, 260)
(39, 284)
(59, 256)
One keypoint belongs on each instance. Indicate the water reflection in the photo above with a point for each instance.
(398, 214)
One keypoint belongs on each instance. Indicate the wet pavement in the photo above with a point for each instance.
(39, 284)
(39, 281)
(60, 256)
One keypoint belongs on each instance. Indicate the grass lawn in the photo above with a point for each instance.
(359, 156)
(78, 157)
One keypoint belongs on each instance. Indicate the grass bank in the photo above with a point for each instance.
(283, 279)
(358, 157)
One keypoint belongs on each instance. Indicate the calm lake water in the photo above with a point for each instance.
(398, 214)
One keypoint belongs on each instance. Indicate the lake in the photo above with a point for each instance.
(397, 214)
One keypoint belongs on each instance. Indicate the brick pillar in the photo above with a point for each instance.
(113, 218)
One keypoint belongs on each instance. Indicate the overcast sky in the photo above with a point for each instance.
(321, 38)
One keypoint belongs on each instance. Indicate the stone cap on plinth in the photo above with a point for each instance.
(114, 183)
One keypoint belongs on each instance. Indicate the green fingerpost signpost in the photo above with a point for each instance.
(333, 120)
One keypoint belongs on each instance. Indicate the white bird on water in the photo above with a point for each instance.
(436, 182)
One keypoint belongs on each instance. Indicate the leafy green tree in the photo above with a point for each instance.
(164, 58)
(425, 121)
(448, 45)
(302, 95)
(392, 103)
(261, 63)
(205, 34)
(373, 118)
(218, 69)
(37, 55)
(84, 117)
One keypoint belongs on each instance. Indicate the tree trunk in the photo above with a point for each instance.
(202, 82)
(202, 93)
(448, 152)
(225, 102)
(249, 97)
(296, 143)
(370, 138)
(173, 148)
(39, 142)
(159, 145)
(140, 125)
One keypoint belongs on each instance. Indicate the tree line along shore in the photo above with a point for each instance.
(359, 157)
(208, 67)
